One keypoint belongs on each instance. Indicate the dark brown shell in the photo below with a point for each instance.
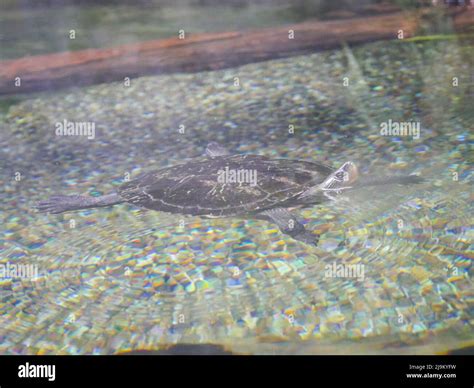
(193, 188)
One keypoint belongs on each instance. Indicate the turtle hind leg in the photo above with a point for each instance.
(289, 225)
(64, 203)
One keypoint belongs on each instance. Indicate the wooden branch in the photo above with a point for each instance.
(201, 52)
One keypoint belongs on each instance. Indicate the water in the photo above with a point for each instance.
(27, 29)
(122, 278)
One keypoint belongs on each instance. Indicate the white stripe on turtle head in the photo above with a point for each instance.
(339, 180)
(214, 149)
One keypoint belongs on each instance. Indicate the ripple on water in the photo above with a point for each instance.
(122, 278)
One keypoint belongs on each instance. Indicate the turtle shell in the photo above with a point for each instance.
(206, 187)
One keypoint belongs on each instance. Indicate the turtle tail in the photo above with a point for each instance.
(64, 203)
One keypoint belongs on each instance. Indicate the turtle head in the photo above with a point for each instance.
(348, 173)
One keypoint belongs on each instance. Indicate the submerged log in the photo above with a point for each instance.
(201, 52)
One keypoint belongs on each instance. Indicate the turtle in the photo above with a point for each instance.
(225, 184)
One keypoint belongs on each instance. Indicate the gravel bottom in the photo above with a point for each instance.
(119, 279)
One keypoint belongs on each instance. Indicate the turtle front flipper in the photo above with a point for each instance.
(289, 225)
(64, 203)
